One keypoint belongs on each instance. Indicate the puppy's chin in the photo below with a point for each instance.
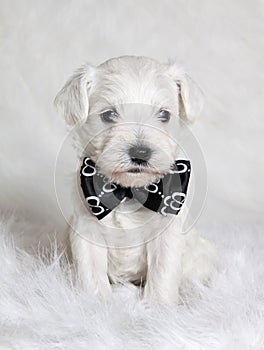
(137, 179)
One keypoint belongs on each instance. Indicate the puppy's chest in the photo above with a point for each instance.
(129, 227)
(127, 264)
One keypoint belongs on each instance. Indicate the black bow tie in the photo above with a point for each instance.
(166, 196)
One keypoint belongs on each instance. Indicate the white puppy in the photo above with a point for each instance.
(129, 112)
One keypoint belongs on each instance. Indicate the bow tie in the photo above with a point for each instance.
(166, 196)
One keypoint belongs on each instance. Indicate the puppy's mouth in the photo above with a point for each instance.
(135, 171)
(139, 170)
(136, 176)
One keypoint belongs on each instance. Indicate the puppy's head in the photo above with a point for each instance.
(128, 113)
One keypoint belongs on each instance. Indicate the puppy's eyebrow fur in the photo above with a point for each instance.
(133, 80)
(101, 108)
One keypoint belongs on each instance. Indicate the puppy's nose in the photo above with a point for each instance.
(139, 154)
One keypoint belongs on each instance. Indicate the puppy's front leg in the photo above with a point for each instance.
(164, 258)
(91, 261)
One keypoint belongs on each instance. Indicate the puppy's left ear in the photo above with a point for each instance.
(72, 100)
(189, 94)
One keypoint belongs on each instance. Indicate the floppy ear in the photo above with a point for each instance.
(72, 100)
(189, 94)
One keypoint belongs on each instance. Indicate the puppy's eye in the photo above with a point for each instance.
(164, 115)
(109, 116)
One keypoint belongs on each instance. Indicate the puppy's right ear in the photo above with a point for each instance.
(72, 100)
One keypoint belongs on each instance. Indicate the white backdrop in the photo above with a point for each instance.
(219, 42)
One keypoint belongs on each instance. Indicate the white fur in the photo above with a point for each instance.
(128, 246)
(41, 309)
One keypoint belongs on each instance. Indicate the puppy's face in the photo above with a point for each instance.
(129, 112)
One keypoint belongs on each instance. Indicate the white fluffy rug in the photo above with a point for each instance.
(41, 309)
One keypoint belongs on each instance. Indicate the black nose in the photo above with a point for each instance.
(139, 154)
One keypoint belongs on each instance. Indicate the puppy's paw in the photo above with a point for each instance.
(161, 295)
(100, 289)
(104, 294)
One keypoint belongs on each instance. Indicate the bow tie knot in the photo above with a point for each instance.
(166, 196)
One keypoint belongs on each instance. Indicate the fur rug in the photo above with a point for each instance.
(40, 308)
